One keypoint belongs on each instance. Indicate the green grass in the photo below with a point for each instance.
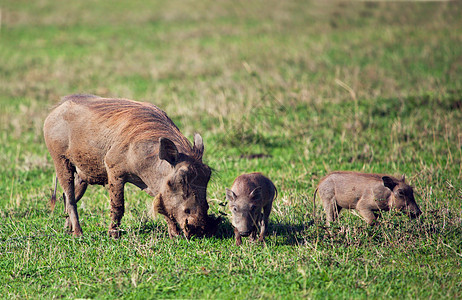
(313, 87)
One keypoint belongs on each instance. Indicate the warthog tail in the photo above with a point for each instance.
(275, 191)
(314, 204)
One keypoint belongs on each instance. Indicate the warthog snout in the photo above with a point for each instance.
(196, 226)
(414, 213)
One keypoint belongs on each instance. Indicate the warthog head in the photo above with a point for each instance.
(183, 193)
(246, 210)
(403, 196)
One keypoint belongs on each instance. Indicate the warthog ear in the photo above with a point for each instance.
(389, 182)
(403, 178)
(198, 143)
(256, 194)
(168, 151)
(230, 195)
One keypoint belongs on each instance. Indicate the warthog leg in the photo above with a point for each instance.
(116, 194)
(237, 236)
(366, 213)
(66, 176)
(80, 187)
(331, 208)
(257, 221)
(264, 222)
(172, 228)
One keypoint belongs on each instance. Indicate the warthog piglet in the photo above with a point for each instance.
(367, 193)
(249, 195)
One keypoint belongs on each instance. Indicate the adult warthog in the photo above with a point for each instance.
(110, 142)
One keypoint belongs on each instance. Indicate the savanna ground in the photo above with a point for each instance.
(293, 89)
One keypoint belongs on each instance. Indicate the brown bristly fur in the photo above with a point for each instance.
(137, 120)
(365, 175)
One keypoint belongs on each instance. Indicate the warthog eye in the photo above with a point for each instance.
(400, 193)
(187, 211)
(171, 185)
(235, 209)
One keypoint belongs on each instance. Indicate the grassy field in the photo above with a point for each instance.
(293, 89)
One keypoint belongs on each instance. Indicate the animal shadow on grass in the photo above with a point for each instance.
(214, 224)
(291, 234)
(224, 229)
(150, 227)
(285, 233)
